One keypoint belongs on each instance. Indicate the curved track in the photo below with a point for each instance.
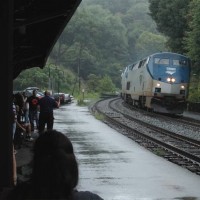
(145, 128)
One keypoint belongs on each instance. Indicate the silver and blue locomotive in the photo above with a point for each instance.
(159, 82)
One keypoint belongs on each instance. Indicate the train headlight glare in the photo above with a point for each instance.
(173, 80)
(182, 87)
(158, 84)
(168, 79)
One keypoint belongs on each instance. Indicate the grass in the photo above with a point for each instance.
(159, 152)
(99, 116)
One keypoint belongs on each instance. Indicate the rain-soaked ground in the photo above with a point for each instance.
(115, 167)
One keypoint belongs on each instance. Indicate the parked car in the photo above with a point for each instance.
(72, 98)
(60, 96)
(64, 98)
(68, 98)
(29, 91)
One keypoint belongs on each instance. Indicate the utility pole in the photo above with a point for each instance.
(79, 65)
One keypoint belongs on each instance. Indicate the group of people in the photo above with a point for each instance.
(31, 111)
(25, 113)
(55, 172)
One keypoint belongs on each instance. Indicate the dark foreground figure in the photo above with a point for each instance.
(55, 172)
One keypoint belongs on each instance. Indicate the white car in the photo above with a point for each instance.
(29, 91)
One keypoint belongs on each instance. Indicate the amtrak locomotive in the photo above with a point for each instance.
(159, 82)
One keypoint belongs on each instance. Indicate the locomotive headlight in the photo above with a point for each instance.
(182, 87)
(158, 85)
(173, 80)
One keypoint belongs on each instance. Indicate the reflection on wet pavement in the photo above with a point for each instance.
(117, 168)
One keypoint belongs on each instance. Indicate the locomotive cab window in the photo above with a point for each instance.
(180, 62)
(163, 61)
(140, 64)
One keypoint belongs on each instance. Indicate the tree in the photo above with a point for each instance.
(114, 6)
(138, 21)
(99, 41)
(149, 43)
(31, 77)
(93, 83)
(106, 85)
(171, 19)
(192, 39)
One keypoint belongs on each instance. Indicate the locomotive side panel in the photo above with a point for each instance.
(148, 87)
(141, 81)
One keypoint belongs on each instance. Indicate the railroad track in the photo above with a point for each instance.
(177, 118)
(175, 147)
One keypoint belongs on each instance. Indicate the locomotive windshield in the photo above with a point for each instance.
(163, 61)
(180, 62)
(166, 61)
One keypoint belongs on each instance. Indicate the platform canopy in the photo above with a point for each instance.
(37, 26)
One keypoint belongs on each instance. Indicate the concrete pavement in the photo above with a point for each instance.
(114, 166)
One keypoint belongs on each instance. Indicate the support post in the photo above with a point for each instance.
(6, 80)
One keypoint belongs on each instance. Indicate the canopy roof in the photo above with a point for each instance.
(37, 26)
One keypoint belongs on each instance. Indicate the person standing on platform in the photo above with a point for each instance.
(33, 106)
(22, 127)
(46, 106)
(25, 109)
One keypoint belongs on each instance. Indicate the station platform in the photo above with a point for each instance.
(114, 166)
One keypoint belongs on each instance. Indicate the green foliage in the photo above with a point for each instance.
(106, 85)
(148, 42)
(99, 116)
(93, 83)
(31, 77)
(81, 102)
(100, 84)
(194, 90)
(194, 96)
(159, 152)
(171, 19)
(192, 39)
(100, 38)
(87, 98)
(52, 77)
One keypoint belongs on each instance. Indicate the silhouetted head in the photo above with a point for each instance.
(34, 92)
(55, 169)
(47, 93)
(19, 99)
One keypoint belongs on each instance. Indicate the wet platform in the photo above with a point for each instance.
(114, 166)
